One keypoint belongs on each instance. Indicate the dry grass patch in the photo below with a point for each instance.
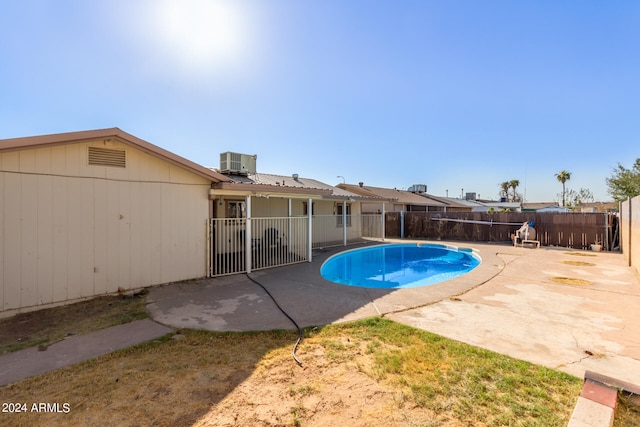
(46, 326)
(578, 263)
(579, 254)
(371, 372)
(570, 281)
(627, 411)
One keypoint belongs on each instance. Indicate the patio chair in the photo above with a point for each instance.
(272, 238)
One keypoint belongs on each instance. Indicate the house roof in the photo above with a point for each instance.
(288, 184)
(456, 203)
(392, 194)
(502, 205)
(553, 209)
(538, 205)
(117, 134)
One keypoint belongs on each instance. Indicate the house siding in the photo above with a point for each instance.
(630, 231)
(69, 230)
(270, 207)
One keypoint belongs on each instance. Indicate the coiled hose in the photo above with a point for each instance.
(295, 347)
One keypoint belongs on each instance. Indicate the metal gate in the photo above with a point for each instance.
(259, 243)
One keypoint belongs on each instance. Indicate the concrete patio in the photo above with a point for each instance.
(509, 304)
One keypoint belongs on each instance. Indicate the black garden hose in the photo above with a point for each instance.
(295, 347)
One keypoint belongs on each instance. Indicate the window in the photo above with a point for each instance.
(235, 209)
(305, 208)
(340, 213)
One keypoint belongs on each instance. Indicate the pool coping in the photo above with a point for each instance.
(305, 294)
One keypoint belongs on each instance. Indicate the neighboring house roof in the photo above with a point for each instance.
(538, 205)
(513, 206)
(287, 184)
(29, 142)
(392, 194)
(554, 209)
(457, 203)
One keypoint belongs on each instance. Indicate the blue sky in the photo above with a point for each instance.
(459, 95)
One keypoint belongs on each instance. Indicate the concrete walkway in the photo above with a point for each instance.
(33, 361)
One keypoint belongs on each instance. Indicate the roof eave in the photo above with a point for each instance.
(243, 187)
(109, 133)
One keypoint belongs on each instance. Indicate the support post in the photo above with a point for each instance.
(289, 215)
(310, 226)
(402, 224)
(209, 251)
(247, 236)
(344, 223)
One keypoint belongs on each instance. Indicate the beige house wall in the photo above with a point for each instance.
(69, 230)
(630, 231)
(376, 208)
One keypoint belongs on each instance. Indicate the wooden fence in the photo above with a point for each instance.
(571, 230)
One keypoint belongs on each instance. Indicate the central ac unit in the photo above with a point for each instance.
(418, 188)
(236, 163)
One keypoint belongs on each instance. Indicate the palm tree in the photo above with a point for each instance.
(513, 184)
(563, 176)
(504, 189)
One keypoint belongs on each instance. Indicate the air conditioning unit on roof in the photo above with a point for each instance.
(418, 188)
(236, 163)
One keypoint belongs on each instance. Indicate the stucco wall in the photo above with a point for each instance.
(630, 231)
(69, 230)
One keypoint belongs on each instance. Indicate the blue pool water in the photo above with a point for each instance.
(398, 265)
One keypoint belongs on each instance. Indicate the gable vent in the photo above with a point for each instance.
(107, 157)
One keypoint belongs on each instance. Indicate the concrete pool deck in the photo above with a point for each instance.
(509, 304)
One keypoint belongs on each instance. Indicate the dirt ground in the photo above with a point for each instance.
(321, 393)
(196, 378)
(236, 388)
(261, 387)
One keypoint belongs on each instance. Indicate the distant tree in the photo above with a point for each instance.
(624, 183)
(563, 176)
(576, 198)
(508, 190)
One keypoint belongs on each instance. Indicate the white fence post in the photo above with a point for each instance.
(289, 215)
(344, 223)
(247, 235)
(209, 251)
(310, 218)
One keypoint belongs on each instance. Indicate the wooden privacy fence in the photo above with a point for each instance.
(572, 230)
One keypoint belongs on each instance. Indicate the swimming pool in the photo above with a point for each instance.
(399, 265)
